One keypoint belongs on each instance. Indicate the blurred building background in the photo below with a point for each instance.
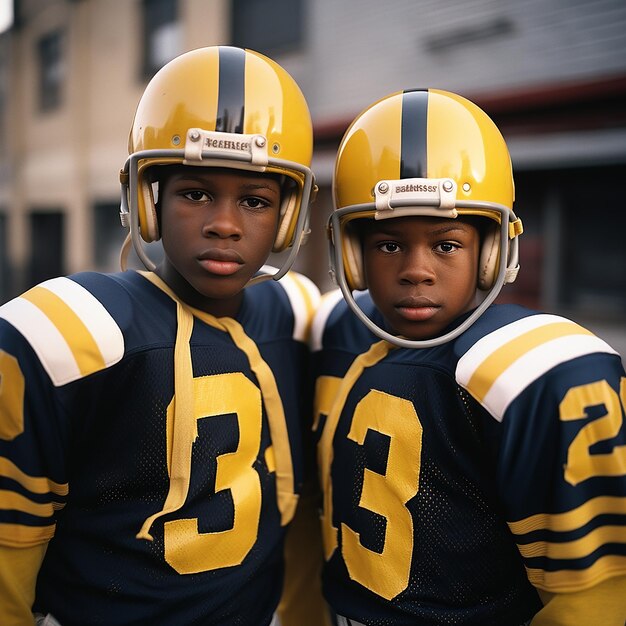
(551, 73)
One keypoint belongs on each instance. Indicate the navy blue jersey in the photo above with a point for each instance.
(459, 479)
(90, 449)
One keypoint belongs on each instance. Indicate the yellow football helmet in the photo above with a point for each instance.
(424, 152)
(221, 106)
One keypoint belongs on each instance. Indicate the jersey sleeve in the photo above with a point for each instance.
(51, 336)
(558, 393)
(603, 603)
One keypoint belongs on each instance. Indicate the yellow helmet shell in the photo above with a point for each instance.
(420, 134)
(227, 90)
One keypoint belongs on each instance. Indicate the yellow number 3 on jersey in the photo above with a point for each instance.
(186, 549)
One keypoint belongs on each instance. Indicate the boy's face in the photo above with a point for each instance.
(421, 271)
(218, 228)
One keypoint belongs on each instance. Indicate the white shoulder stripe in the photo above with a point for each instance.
(535, 364)
(502, 364)
(327, 304)
(304, 297)
(97, 319)
(72, 342)
(49, 345)
(488, 344)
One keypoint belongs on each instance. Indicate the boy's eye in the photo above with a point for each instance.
(446, 246)
(255, 203)
(389, 247)
(196, 195)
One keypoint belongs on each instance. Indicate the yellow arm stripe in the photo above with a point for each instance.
(570, 520)
(576, 549)
(575, 580)
(85, 350)
(501, 359)
(11, 501)
(34, 484)
(20, 536)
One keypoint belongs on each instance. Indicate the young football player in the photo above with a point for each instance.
(472, 455)
(151, 449)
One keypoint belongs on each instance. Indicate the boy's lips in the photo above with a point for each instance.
(416, 309)
(221, 262)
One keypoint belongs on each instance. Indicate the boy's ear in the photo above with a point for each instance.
(488, 259)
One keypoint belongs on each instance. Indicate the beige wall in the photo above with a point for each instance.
(70, 158)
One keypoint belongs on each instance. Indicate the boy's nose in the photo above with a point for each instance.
(417, 267)
(222, 220)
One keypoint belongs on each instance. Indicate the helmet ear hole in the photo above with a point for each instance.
(489, 257)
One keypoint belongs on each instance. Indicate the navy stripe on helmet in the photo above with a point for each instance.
(413, 159)
(231, 97)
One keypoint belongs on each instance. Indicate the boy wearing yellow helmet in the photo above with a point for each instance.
(151, 435)
(472, 455)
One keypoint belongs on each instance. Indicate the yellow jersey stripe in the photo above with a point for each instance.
(11, 501)
(563, 581)
(576, 549)
(570, 520)
(20, 536)
(34, 484)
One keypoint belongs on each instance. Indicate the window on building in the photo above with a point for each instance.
(47, 243)
(268, 26)
(52, 69)
(162, 40)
